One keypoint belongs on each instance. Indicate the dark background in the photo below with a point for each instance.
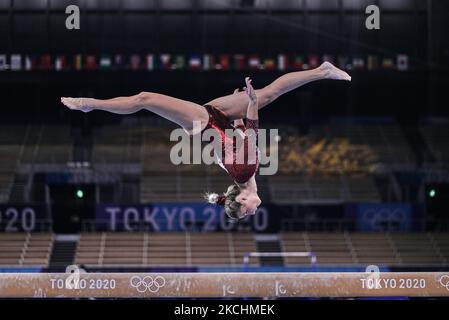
(413, 27)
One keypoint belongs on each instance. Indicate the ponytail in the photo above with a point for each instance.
(215, 198)
(228, 200)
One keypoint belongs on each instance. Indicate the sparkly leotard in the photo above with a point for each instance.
(240, 171)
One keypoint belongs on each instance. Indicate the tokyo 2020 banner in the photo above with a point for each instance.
(22, 218)
(177, 217)
(201, 217)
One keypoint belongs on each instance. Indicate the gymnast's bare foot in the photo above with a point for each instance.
(332, 72)
(76, 104)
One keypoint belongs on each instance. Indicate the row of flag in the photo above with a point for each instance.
(205, 62)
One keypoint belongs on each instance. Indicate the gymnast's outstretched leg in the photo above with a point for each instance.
(176, 110)
(235, 105)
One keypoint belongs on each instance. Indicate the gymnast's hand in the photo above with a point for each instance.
(238, 123)
(250, 90)
(76, 104)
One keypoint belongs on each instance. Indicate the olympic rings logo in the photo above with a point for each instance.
(444, 281)
(147, 283)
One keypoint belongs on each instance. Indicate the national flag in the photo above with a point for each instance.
(239, 62)
(195, 62)
(3, 63)
(105, 62)
(298, 63)
(282, 62)
(60, 63)
(388, 63)
(149, 62)
(16, 62)
(373, 62)
(180, 62)
(134, 62)
(254, 62)
(30, 63)
(402, 62)
(91, 62)
(78, 62)
(224, 62)
(208, 62)
(268, 64)
(118, 62)
(314, 61)
(45, 62)
(165, 60)
(358, 63)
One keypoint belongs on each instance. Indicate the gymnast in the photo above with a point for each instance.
(241, 198)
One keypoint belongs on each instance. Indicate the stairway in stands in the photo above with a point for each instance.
(63, 252)
(418, 144)
(387, 187)
(17, 194)
(269, 243)
(82, 143)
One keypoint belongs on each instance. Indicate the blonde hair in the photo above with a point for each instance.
(228, 200)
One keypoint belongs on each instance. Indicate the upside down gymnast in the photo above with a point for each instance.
(223, 113)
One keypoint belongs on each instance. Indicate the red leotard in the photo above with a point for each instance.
(239, 172)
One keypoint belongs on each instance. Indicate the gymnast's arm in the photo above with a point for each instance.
(238, 123)
(252, 112)
(252, 122)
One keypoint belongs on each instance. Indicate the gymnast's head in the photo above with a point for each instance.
(238, 202)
